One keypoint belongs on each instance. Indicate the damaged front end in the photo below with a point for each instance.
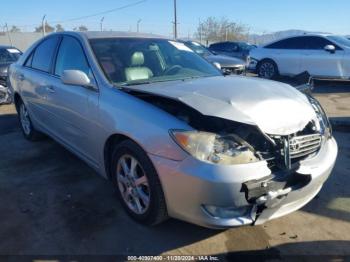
(226, 142)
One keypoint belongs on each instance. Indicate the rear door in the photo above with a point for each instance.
(74, 108)
(287, 55)
(319, 62)
(33, 79)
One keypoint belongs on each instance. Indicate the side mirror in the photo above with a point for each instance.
(330, 48)
(217, 65)
(75, 78)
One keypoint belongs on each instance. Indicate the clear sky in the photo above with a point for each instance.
(259, 15)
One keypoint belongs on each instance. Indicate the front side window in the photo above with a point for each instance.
(316, 42)
(127, 61)
(340, 40)
(71, 57)
(44, 53)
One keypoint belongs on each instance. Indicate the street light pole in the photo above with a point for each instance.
(175, 20)
(138, 25)
(8, 34)
(43, 25)
(101, 23)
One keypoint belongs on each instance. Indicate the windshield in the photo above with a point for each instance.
(340, 40)
(128, 61)
(198, 48)
(245, 47)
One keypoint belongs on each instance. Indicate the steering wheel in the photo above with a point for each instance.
(171, 70)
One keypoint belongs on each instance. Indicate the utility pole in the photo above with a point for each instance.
(8, 34)
(200, 31)
(175, 21)
(43, 24)
(101, 23)
(138, 25)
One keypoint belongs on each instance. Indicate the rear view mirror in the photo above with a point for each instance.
(75, 78)
(330, 48)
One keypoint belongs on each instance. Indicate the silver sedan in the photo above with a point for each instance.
(174, 136)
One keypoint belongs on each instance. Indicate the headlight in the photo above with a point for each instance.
(213, 148)
(323, 121)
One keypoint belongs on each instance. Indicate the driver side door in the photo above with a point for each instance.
(319, 62)
(75, 108)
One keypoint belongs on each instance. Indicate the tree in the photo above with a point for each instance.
(59, 28)
(15, 29)
(48, 28)
(214, 29)
(81, 28)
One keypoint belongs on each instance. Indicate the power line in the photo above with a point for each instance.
(100, 13)
(89, 16)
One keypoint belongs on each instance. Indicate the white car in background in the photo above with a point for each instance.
(323, 56)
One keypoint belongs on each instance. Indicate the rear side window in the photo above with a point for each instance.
(44, 53)
(71, 57)
(318, 43)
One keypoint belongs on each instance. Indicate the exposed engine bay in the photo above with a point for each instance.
(265, 147)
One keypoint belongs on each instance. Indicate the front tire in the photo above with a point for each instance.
(137, 184)
(267, 69)
(26, 125)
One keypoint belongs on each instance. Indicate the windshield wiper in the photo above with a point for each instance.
(134, 83)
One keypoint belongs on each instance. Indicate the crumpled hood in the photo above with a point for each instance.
(276, 108)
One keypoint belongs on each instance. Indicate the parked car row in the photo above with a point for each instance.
(228, 64)
(8, 55)
(175, 137)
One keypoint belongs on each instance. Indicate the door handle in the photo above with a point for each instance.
(50, 89)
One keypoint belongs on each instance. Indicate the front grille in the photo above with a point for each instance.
(300, 146)
(238, 70)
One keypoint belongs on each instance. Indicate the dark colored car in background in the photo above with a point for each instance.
(234, 49)
(229, 65)
(8, 55)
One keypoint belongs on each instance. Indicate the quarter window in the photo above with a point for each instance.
(71, 57)
(44, 53)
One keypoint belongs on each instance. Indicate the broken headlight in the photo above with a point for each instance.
(214, 148)
(324, 125)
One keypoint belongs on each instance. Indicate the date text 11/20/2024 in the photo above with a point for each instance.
(172, 258)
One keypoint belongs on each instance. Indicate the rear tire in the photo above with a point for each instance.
(267, 69)
(28, 130)
(137, 184)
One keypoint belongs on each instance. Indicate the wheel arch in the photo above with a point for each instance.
(110, 143)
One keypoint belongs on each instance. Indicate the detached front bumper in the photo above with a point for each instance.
(191, 185)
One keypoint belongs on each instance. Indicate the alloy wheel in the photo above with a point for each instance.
(267, 70)
(133, 184)
(25, 120)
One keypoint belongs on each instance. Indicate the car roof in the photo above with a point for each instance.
(113, 34)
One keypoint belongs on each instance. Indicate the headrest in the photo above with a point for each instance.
(137, 59)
